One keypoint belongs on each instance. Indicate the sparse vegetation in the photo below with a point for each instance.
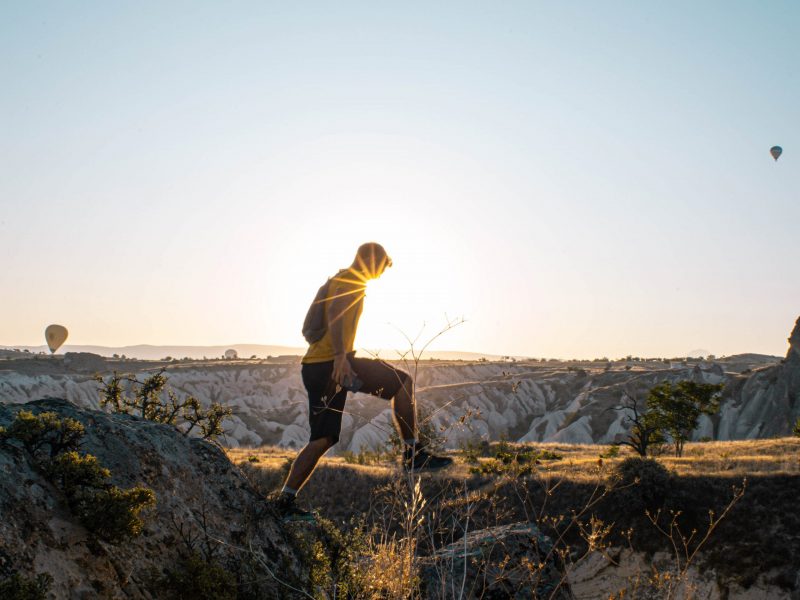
(153, 400)
(514, 459)
(52, 443)
(193, 577)
(576, 502)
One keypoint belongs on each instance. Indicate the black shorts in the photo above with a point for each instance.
(326, 399)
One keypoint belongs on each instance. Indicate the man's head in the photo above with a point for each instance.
(371, 260)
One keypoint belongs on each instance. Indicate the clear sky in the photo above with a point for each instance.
(576, 179)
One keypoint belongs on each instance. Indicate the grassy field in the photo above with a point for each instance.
(581, 462)
(565, 489)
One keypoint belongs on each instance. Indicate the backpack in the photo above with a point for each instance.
(315, 324)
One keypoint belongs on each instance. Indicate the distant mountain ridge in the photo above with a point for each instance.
(525, 401)
(155, 352)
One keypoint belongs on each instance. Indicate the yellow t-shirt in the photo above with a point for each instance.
(350, 288)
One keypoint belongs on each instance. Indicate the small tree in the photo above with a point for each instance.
(151, 399)
(645, 430)
(676, 408)
(796, 429)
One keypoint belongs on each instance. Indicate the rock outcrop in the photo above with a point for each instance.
(766, 402)
(793, 356)
(204, 505)
(506, 561)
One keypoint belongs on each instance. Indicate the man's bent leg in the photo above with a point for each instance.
(416, 457)
(305, 463)
(405, 410)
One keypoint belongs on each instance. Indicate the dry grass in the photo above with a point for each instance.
(581, 462)
(760, 535)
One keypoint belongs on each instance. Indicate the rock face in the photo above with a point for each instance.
(766, 403)
(200, 495)
(522, 401)
(507, 561)
(793, 356)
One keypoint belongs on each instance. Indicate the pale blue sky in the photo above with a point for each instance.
(576, 179)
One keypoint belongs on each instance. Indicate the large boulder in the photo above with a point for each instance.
(507, 561)
(205, 506)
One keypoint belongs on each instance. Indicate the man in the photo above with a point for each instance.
(330, 369)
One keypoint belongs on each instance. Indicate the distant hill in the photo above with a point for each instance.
(152, 352)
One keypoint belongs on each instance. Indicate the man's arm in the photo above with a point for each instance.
(337, 309)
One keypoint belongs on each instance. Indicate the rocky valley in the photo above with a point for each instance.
(525, 401)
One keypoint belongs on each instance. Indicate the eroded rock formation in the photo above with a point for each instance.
(524, 401)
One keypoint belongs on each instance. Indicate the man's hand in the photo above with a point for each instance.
(342, 371)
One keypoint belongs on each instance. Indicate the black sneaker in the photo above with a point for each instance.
(421, 460)
(288, 511)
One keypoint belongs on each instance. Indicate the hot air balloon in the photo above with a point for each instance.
(55, 336)
(776, 151)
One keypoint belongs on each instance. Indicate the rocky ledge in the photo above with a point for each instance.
(207, 519)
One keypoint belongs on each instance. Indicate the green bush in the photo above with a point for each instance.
(335, 558)
(71, 471)
(107, 511)
(612, 452)
(112, 514)
(44, 431)
(19, 587)
(510, 460)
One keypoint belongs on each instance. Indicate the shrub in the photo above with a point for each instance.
(471, 451)
(45, 430)
(337, 561)
(151, 399)
(612, 452)
(513, 461)
(71, 471)
(19, 587)
(112, 514)
(640, 483)
(107, 511)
